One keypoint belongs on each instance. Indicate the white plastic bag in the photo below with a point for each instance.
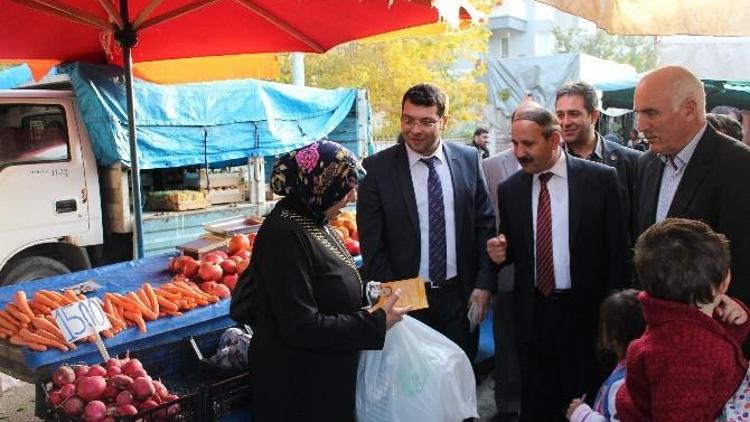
(420, 375)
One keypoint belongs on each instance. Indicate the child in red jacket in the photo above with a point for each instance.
(688, 363)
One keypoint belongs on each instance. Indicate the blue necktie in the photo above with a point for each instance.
(437, 223)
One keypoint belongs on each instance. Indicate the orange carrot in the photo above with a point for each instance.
(166, 304)
(18, 340)
(147, 313)
(52, 336)
(145, 300)
(136, 317)
(166, 294)
(13, 310)
(173, 313)
(71, 296)
(53, 296)
(38, 308)
(152, 297)
(23, 304)
(8, 322)
(46, 301)
(31, 337)
(43, 324)
(107, 334)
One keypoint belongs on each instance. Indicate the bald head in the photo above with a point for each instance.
(671, 107)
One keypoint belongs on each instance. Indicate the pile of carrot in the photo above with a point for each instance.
(30, 323)
(148, 303)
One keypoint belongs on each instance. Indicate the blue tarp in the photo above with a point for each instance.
(15, 76)
(215, 123)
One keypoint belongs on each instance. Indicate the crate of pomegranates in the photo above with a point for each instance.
(118, 390)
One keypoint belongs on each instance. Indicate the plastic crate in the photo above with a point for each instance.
(190, 407)
(228, 396)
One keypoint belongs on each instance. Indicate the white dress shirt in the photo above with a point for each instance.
(557, 186)
(419, 175)
(674, 169)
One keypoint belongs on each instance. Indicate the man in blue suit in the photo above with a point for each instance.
(424, 210)
(563, 228)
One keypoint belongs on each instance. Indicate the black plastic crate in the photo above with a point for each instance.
(227, 396)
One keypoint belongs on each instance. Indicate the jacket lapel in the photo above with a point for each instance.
(696, 170)
(576, 190)
(649, 182)
(405, 184)
(526, 214)
(458, 182)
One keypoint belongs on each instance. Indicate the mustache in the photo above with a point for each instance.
(525, 160)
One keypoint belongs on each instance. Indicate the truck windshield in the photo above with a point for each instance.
(32, 133)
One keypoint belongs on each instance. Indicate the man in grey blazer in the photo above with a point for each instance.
(497, 169)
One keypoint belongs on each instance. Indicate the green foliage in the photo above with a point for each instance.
(387, 69)
(638, 51)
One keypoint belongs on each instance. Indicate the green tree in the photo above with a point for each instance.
(638, 51)
(387, 68)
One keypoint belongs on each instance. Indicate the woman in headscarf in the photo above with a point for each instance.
(310, 322)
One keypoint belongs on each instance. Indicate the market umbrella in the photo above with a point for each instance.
(662, 17)
(156, 29)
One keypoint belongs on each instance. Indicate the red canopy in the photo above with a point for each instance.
(83, 29)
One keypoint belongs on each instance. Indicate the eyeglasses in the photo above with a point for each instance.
(425, 123)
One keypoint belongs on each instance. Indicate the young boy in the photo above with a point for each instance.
(688, 363)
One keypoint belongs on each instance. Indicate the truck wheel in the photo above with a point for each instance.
(32, 268)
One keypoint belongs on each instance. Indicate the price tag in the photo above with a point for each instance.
(81, 319)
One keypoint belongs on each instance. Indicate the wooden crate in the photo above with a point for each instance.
(177, 200)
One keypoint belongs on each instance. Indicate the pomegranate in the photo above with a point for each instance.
(212, 257)
(210, 271)
(229, 266)
(237, 243)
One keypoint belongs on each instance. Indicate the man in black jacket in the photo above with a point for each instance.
(691, 170)
(576, 106)
(561, 224)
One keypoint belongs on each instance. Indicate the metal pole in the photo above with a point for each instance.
(127, 38)
(298, 69)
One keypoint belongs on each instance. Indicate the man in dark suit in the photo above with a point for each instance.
(424, 210)
(562, 226)
(576, 107)
(690, 170)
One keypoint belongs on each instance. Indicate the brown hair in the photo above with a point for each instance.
(541, 116)
(682, 260)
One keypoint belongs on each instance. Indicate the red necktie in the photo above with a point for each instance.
(545, 265)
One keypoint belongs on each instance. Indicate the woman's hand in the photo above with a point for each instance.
(393, 313)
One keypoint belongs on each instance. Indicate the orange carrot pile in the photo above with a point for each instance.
(29, 323)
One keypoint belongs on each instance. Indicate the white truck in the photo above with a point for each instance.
(61, 212)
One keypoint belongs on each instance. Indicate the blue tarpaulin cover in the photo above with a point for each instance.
(214, 123)
(15, 76)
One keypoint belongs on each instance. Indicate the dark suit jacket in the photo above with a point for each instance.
(388, 221)
(715, 189)
(597, 239)
(625, 161)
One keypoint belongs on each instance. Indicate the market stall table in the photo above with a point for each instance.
(32, 366)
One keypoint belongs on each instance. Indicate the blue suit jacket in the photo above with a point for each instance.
(388, 221)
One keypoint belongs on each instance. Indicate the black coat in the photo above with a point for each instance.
(310, 327)
(715, 188)
(625, 161)
(388, 221)
(597, 238)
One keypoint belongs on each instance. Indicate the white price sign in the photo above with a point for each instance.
(81, 319)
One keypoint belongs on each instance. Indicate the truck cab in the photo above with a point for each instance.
(49, 183)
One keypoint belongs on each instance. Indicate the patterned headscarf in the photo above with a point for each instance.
(319, 174)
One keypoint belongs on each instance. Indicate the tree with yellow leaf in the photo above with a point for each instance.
(451, 60)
